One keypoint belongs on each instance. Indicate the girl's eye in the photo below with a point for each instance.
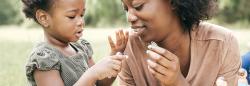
(138, 7)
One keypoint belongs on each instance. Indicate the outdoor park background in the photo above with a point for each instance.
(18, 35)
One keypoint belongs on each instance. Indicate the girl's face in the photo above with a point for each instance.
(66, 20)
(151, 19)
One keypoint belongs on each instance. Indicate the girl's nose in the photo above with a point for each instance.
(80, 22)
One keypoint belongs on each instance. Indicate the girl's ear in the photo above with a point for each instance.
(42, 18)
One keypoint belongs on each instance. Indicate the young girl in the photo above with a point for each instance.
(63, 59)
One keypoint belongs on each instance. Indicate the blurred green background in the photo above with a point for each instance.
(18, 35)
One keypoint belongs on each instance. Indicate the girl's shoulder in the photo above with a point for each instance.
(43, 57)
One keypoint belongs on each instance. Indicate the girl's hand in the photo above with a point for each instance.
(120, 41)
(108, 67)
(165, 66)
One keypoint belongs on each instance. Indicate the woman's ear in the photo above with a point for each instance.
(42, 18)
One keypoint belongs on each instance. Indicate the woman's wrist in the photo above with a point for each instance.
(182, 82)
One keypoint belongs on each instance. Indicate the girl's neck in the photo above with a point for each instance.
(54, 41)
(63, 47)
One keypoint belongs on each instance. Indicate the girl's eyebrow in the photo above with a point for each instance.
(75, 10)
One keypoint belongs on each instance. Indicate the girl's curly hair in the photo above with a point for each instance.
(31, 6)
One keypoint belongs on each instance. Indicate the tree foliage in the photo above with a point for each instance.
(104, 12)
(110, 12)
(10, 12)
(232, 11)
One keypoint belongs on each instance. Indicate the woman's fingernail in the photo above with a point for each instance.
(150, 46)
(147, 51)
(118, 53)
(151, 63)
(126, 56)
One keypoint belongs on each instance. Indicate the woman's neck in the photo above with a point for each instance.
(179, 43)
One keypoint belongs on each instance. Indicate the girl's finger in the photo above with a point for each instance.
(119, 57)
(111, 43)
(118, 40)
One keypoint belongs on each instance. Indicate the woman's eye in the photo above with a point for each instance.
(71, 17)
(125, 8)
(138, 7)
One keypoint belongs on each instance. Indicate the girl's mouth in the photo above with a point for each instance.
(79, 34)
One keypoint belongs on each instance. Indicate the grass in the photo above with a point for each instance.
(17, 42)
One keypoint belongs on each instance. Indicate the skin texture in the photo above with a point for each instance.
(64, 23)
(154, 20)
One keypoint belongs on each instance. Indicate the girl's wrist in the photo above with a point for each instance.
(92, 74)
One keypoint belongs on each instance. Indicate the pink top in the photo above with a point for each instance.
(214, 53)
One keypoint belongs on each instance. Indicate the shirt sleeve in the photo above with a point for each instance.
(125, 77)
(231, 63)
(43, 60)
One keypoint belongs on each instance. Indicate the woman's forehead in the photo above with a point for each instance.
(130, 1)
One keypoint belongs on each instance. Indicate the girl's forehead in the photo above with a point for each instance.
(65, 3)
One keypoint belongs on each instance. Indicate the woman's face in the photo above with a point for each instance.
(151, 19)
(66, 20)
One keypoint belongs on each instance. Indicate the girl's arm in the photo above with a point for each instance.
(53, 78)
(98, 73)
(48, 78)
(104, 82)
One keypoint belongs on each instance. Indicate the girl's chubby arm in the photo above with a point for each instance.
(48, 78)
(105, 71)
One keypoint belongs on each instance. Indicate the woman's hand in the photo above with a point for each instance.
(108, 67)
(120, 41)
(165, 66)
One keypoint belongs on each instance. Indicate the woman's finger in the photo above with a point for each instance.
(157, 68)
(167, 54)
(159, 59)
(157, 75)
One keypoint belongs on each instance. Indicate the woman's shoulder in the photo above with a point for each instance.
(209, 31)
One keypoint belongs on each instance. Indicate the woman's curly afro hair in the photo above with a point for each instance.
(192, 12)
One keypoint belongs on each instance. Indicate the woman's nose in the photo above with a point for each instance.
(131, 16)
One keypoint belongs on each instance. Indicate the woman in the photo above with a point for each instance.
(189, 52)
